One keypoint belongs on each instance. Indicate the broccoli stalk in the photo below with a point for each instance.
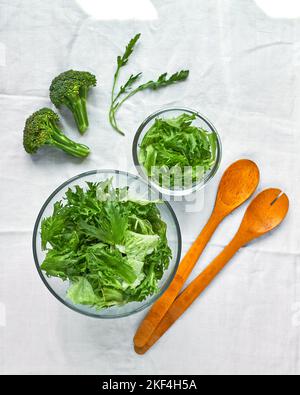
(77, 105)
(41, 129)
(71, 89)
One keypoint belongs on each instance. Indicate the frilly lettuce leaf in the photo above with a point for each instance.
(138, 246)
(110, 246)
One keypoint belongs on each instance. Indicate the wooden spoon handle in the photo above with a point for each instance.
(191, 293)
(160, 308)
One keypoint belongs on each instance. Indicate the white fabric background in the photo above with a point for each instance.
(245, 76)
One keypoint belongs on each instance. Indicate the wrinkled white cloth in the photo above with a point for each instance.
(245, 77)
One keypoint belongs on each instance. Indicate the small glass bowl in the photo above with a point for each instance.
(138, 188)
(200, 122)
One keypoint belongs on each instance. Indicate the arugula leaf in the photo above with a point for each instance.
(126, 91)
(164, 81)
(123, 60)
(126, 88)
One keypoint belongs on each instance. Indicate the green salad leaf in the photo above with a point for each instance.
(175, 153)
(111, 247)
(138, 246)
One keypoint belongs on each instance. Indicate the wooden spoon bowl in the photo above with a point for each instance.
(238, 183)
(265, 213)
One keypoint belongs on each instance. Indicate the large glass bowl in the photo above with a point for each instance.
(138, 188)
(201, 122)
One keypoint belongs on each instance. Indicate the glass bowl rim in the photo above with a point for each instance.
(196, 186)
(154, 298)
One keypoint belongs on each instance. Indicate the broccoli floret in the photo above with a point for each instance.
(71, 89)
(41, 129)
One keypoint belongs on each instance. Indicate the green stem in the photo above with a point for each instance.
(113, 122)
(116, 76)
(83, 95)
(59, 140)
(115, 108)
(79, 110)
(132, 93)
(112, 118)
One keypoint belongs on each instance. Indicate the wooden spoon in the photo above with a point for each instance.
(238, 184)
(265, 213)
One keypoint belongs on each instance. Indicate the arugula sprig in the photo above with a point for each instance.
(126, 90)
(122, 62)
